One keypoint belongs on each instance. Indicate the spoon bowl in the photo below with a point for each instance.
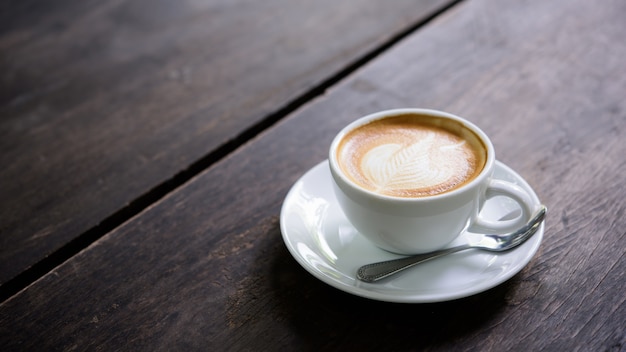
(489, 242)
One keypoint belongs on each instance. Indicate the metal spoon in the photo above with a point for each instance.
(495, 243)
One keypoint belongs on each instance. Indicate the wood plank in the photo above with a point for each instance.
(206, 268)
(102, 103)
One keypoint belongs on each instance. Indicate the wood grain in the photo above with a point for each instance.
(102, 103)
(206, 268)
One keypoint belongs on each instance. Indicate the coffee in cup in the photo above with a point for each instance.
(411, 155)
(411, 180)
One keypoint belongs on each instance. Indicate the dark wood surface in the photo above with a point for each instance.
(205, 267)
(107, 106)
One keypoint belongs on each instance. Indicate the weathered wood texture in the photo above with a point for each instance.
(206, 269)
(100, 102)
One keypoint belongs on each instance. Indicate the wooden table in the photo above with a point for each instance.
(147, 147)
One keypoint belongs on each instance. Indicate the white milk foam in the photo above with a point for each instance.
(423, 164)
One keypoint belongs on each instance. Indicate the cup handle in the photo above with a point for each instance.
(513, 191)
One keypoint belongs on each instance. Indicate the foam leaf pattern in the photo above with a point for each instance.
(392, 167)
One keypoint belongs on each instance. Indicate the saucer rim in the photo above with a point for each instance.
(361, 289)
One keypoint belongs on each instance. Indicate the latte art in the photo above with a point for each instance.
(395, 167)
(410, 157)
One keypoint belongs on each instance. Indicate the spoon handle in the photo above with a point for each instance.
(376, 271)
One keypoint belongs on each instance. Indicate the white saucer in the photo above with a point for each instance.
(321, 239)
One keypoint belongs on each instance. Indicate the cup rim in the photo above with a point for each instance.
(336, 170)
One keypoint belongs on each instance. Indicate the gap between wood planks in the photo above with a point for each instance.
(47, 264)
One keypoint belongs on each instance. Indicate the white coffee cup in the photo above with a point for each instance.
(418, 224)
